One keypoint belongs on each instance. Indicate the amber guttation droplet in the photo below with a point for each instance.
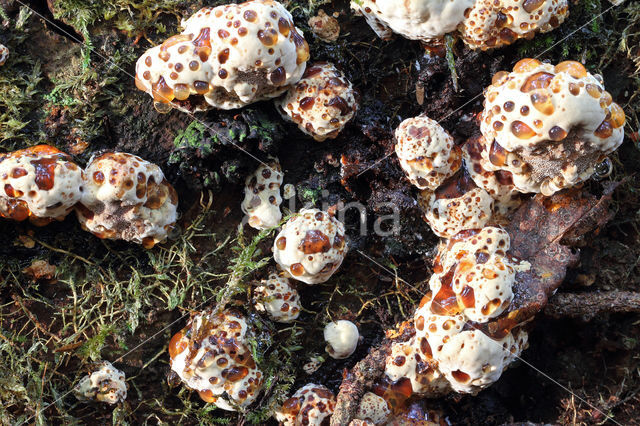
(297, 269)
(235, 374)
(593, 90)
(445, 301)
(467, 297)
(509, 106)
(460, 376)
(98, 177)
(542, 102)
(45, 172)
(521, 130)
(250, 15)
(222, 73)
(557, 133)
(278, 76)
(539, 80)
(147, 61)
(18, 172)
(425, 348)
(203, 44)
(307, 103)
(207, 396)
(311, 71)
(201, 87)
(498, 125)
(223, 34)
(10, 191)
(302, 48)
(573, 68)
(507, 35)
(531, 5)
(223, 55)
(177, 344)
(283, 27)
(315, 241)
(161, 91)
(526, 65)
(617, 116)
(490, 307)
(340, 103)
(497, 79)
(267, 37)
(605, 129)
(497, 154)
(181, 91)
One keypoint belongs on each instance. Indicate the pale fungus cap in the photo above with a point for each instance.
(313, 364)
(226, 57)
(40, 183)
(105, 384)
(278, 298)
(128, 198)
(262, 196)
(311, 405)
(424, 20)
(426, 152)
(373, 408)
(4, 54)
(325, 27)
(342, 338)
(451, 212)
(496, 23)
(310, 246)
(212, 356)
(548, 125)
(321, 103)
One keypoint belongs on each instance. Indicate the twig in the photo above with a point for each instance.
(589, 305)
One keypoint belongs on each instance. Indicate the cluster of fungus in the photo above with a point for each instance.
(278, 298)
(483, 24)
(4, 54)
(104, 384)
(311, 246)
(548, 126)
(211, 355)
(127, 198)
(262, 197)
(227, 57)
(321, 103)
(472, 285)
(40, 183)
(117, 196)
(310, 405)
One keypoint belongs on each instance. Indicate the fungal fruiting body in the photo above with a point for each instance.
(211, 355)
(325, 27)
(127, 198)
(40, 183)
(321, 103)
(227, 57)
(426, 152)
(104, 384)
(311, 405)
(278, 298)
(496, 23)
(373, 409)
(310, 246)
(424, 20)
(483, 24)
(549, 126)
(342, 338)
(4, 54)
(456, 205)
(472, 285)
(262, 196)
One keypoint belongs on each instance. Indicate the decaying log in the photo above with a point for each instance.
(587, 306)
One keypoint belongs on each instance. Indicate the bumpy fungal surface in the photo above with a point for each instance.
(424, 20)
(311, 405)
(211, 355)
(496, 23)
(40, 183)
(498, 184)
(549, 126)
(426, 152)
(373, 409)
(325, 27)
(321, 103)
(262, 196)
(227, 57)
(4, 54)
(342, 338)
(455, 206)
(127, 198)
(104, 384)
(278, 298)
(310, 246)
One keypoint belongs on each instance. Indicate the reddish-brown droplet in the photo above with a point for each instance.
(497, 154)
(557, 133)
(539, 80)
(604, 130)
(278, 76)
(521, 130)
(315, 241)
(297, 269)
(460, 376)
(307, 103)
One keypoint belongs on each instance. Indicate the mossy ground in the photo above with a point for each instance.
(69, 82)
